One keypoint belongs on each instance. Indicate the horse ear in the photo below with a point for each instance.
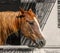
(22, 10)
(30, 10)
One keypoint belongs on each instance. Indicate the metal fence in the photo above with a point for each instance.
(43, 11)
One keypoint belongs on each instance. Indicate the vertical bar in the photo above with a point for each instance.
(58, 13)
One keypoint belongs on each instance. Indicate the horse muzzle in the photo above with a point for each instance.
(40, 43)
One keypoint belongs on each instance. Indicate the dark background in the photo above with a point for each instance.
(13, 5)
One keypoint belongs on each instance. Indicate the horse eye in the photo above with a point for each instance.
(31, 23)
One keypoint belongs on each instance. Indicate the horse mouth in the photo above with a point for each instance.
(39, 42)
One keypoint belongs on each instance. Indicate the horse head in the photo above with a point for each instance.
(30, 27)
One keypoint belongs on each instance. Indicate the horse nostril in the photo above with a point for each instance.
(42, 43)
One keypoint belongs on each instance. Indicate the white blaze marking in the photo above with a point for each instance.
(38, 24)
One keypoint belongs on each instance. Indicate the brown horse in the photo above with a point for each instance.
(25, 21)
